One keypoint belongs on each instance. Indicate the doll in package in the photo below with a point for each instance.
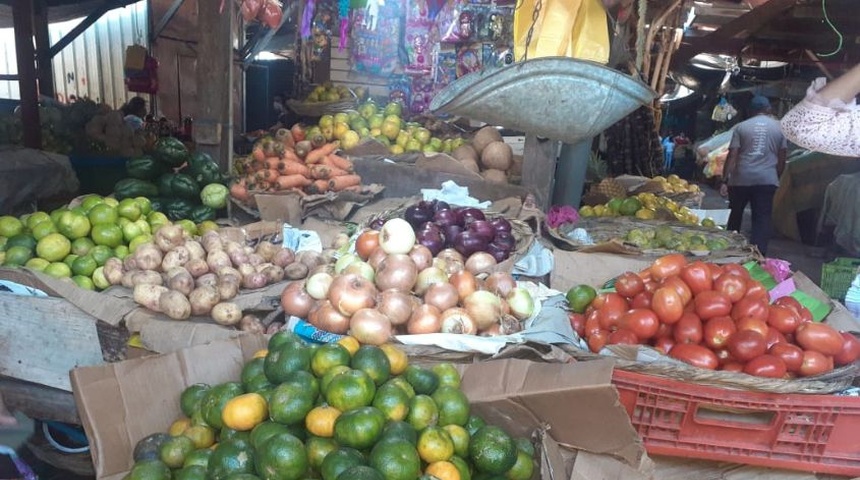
(417, 38)
(376, 30)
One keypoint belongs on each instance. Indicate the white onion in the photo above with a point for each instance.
(428, 277)
(327, 318)
(484, 307)
(464, 282)
(362, 269)
(500, 283)
(350, 293)
(422, 256)
(450, 255)
(345, 261)
(458, 320)
(396, 236)
(370, 327)
(480, 262)
(521, 302)
(318, 285)
(295, 300)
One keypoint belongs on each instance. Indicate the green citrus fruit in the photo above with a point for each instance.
(371, 360)
(102, 213)
(84, 282)
(282, 457)
(492, 450)
(17, 256)
(107, 234)
(101, 254)
(43, 229)
(38, 264)
(99, 280)
(36, 218)
(73, 225)
(580, 297)
(82, 246)
(53, 247)
(128, 208)
(10, 226)
(91, 201)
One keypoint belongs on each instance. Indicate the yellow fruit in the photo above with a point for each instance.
(261, 353)
(178, 427)
(645, 214)
(443, 470)
(320, 421)
(245, 412)
(350, 343)
(586, 211)
(396, 357)
(434, 445)
(202, 436)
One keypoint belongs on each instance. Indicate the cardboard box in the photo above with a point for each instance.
(574, 403)
(576, 268)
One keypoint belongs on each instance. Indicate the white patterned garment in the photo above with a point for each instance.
(831, 127)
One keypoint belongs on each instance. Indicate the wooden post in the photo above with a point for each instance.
(43, 49)
(22, 18)
(539, 158)
(213, 120)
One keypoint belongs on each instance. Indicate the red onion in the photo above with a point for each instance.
(498, 253)
(445, 218)
(422, 256)
(483, 229)
(397, 271)
(500, 224)
(350, 293)
(397, 306)
(442, 296)
(451, 233)
(505, 240)
(500, 283)
(425, 319)
(432, 239)
(469, 214)
(370, 327)
(417, 215)
(480, 262)
(469, 242)
(440, 205)
(295, 300)
(457, 320)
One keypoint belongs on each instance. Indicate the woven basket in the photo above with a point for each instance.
(318, 109)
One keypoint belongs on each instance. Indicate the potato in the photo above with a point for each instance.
(247, 249)
(229, 271)
(309, 258)
(208, 279)
(113, 270)
(175, 305)
(169, 236)
(227, 290)
(273, 274)
(177, 257)
(212, 242)
(259, 268)
(340, 241)
(195, 250)
(180, 280)
(231, 246)
(202, 300)
(246, 269)
(239, 258)
(218, 259)
(148, 257)
(197, 267)
(226, 313)
(284, 257)
(296, 271)
(148, 296)
(255, 259)
(267, 250)
(130, 263)
(274, 328)
(147, 277)
(254, 281)
(329, 269)
(251, 324)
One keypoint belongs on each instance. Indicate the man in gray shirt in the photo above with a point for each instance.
(751, 175)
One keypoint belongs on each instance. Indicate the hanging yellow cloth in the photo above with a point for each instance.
(565, 28)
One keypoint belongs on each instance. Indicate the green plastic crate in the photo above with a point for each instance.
(836, 276)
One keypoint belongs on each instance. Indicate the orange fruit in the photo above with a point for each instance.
(202, 436)
(396, 357)
(245, 412)
(435, 445)
(320, 421)
(443, 470)
(261, 353)
(178, 427)
(350, 343)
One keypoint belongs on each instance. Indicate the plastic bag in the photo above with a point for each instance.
(724, 111)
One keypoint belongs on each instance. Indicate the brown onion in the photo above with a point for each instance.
(318, 284)
(428, 277)
(484, 307)
(493, 331)
(396, 271)
(370, 327)
(500, 283)
(350, 293)
(464, 282)
(457, 320)
(442, 296)
(366, 243)
(397, 306)
(362, 269)
(295, 300)
(422, 256)
(376, 258)
(509, 324)
(425, 319)
(480, 262)
(327, 318)
(451, 255)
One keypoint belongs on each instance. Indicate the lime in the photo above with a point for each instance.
(101, 253)
(17, 256)
(580, 297)
(73, 225)
(138, 241)
(43, 229)
(82, 246)
(3, 242)
(121, 252)
(129, 208)
(188, 226)
(84, 282)
(709, 222)
(58, 270)
(84, 266)
(615, 204)
(53, 247)
(37, 264)
(70, 259)
(91, 201)
(132, 230)
(102, 213)
(143, 204)
(36, 218)
(56, 214)
(143, 225)
(10, 226)
(107, 234)
(99, 279)
(21, 240)
(122, 221)
(111, 201)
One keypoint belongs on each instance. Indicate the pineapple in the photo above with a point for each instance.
(611, 188)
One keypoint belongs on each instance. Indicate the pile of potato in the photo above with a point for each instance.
(181, 276)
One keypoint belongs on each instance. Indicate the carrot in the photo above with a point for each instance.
(272, 163)
(239, 191)
(289, 167)
(267, 175)
(337, 184)
(316, 156)
(318, 186)
(324, 172)
(258, 154)
(290, 155)
(339, 162)
(292, 181)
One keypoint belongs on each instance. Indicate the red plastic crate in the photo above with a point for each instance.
(815, 433)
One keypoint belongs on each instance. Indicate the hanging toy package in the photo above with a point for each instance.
(496, 56)
(422, 94)
(469, 58)
(375, 33)
(400, 89)
(445, 68)
(448, 22)
(417, 40)
(321, 32)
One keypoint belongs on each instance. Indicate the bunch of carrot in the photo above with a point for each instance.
(288, 161)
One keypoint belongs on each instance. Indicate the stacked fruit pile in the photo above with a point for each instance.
(644, 206)
(336, 411)
(713, 317)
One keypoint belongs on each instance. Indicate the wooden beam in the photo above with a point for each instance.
(213, 120)
(43, 47)
(165, 19)
(39, 402)
(737, 29)
(22, 18)
(82, 27)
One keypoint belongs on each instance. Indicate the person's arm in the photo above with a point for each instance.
(844, 88)
(728, 169)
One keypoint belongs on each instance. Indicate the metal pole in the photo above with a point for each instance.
(43, 46)
(22, 18)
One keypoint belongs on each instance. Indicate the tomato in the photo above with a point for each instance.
(651, 286)
(666, 303)
(622, 336)
(850, 350)
(820, 338)
(642, 322)
(768, 366)
(718, 330)
(724, 356)
(710, 304)
(597, 341)
(695, 355)
(645, 274)
(577, 323)
(756, 290)
(773, 337)
(750, 307)
(791, 302)
(366, 243)
(814, 363)
(754, 324)
(737, 270)
(664, 330)
(731, 285)
(716, 271)
(733, 367)
(791, 355)
(641, 300)
(805, 315)
(614, 307)
(592, 325)
(783, 318)
(668, 265)
(688, 329)
(664, 344)
(679, 286)
(745, 345)
(697, 276)
(629, 284)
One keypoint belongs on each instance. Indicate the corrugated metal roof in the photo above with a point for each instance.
(59, 10)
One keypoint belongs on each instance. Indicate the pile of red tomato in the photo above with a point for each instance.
(714, 317)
